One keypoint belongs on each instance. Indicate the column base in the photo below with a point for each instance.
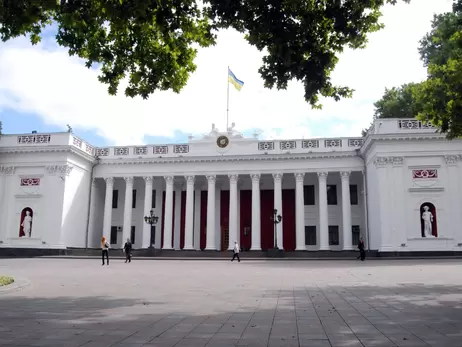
(324, 248)
(188, 248)
(167, 248)
(347, 248)
(210, 249)
(255, 248)
(300, 249)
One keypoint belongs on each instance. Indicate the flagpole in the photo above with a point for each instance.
(227, 101)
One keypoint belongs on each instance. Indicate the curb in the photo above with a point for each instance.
(18, 284)
(249, 259)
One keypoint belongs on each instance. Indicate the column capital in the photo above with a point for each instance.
(233, 178)
(211, 178)
(277, 177)
(190, 179)
(148, 179)
(169, 179)
(322, 175)
(255, 177)
(109, 181)
(299, 176)
(129, 180)
(93, 181)
(345, 175)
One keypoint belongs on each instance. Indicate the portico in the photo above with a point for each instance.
(314, 205)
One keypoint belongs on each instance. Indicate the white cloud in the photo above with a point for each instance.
(46, 81)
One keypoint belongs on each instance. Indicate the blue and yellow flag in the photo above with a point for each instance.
(234, 81)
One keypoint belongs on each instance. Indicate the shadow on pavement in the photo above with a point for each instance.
(360, 315)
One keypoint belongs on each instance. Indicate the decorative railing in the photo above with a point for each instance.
(34, 139)
(412, 124)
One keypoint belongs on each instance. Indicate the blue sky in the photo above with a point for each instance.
(43, 89)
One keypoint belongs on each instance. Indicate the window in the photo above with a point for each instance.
(134, 198)
(153, 201)
(310, 235)
(308, 195)
(113, 235)
(153, 235)
(331, 194)
(115, 198)
(333, 235)
(355, 234)
(353, 194)
(132, 235)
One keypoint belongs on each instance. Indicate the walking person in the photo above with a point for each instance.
(105, 249)
(362, 252)
(128, 251)
(236, 252)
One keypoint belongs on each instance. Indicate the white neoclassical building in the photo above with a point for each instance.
(399, 188)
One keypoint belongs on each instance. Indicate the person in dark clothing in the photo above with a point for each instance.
(105, 249)
(128, 251)
(362, 252)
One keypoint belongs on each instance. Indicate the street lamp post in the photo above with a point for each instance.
(151, 220)
(276, 220)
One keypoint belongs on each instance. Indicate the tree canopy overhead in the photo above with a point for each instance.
(152, 42)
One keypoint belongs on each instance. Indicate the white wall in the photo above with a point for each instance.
(76, 204)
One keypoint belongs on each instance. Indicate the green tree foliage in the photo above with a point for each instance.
(439, 98)
(1, 128)
(397, 103)
(154, 42)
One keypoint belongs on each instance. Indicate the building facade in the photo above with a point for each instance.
(399, 188)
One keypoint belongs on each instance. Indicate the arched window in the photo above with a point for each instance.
(25, 222)
(428, 220)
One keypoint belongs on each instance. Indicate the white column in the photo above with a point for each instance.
(299, 213)
(91, 212)
(146, 239)
(189, 224)
(177, 214)
(323, 215)
(210, 242)
(159, 188)
(278, 206)
(197, 219)
(232, 210)
(107, 222)
(346, 211)
(256, 218)
(168, 212)
(126, 231)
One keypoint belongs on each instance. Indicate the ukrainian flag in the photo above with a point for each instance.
(234, 81)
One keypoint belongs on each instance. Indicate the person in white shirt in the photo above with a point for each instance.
(236, 252)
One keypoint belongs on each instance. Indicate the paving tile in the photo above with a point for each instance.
(273, 303)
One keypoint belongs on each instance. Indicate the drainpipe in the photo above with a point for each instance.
(96, 162)
(366, 210)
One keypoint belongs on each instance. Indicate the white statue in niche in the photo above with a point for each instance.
(27, 224)
(427, 217)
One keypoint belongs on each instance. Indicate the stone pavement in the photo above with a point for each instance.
(77, 302)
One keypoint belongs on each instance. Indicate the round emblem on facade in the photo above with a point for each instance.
(222, 141)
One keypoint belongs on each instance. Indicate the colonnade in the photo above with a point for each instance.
(233, 210)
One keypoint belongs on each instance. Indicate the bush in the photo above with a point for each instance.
(5, 280)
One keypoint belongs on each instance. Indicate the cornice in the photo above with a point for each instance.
(370, 139)
(48, 149)
(203, 160)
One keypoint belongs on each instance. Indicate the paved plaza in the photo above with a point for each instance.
(77, 302)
